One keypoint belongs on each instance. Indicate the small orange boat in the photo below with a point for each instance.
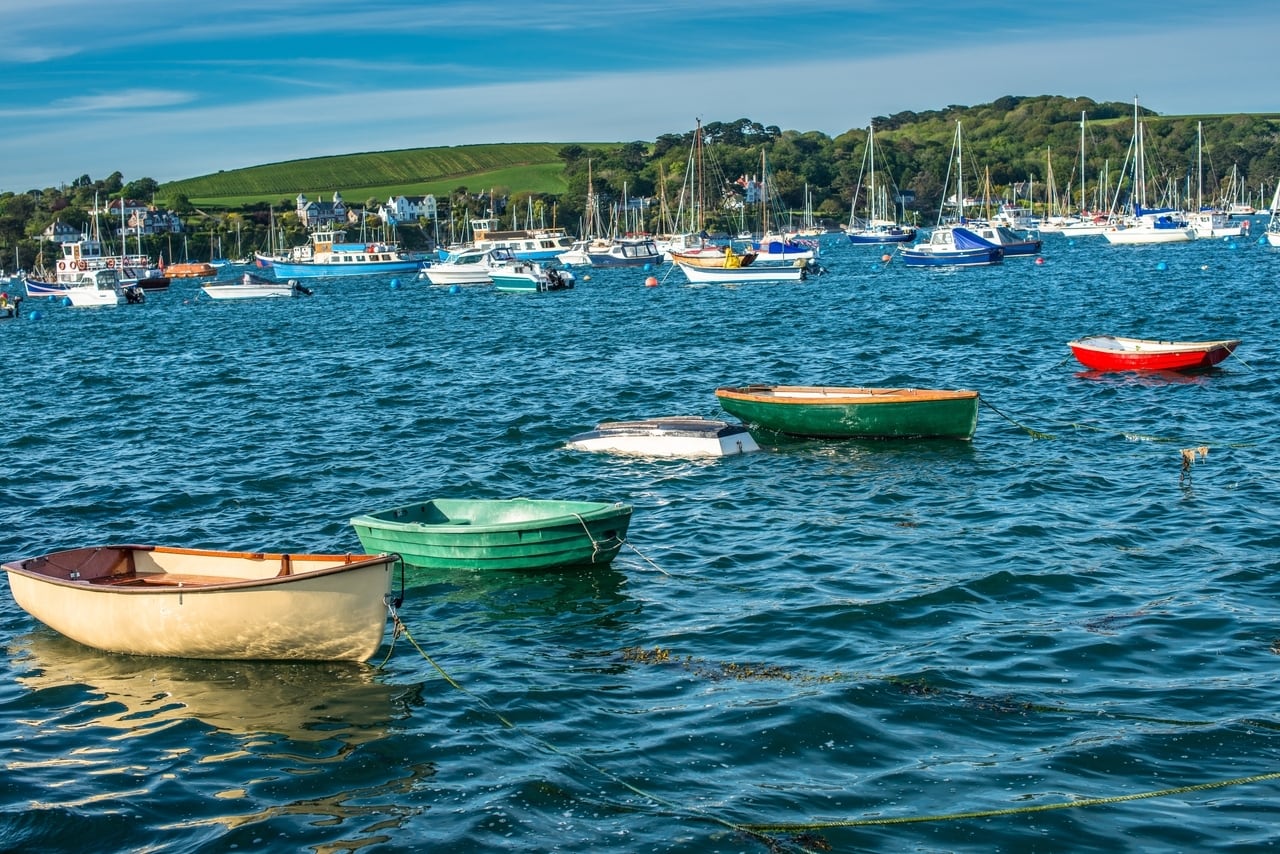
(190, 270)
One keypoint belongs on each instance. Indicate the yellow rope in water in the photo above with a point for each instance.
(764, 832)
(959, 816)
(674, 807)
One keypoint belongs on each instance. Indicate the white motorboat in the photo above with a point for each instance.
(256, 287)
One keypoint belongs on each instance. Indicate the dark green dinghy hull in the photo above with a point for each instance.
(830, 412)
(501, 534)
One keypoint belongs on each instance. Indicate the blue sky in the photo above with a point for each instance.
(168, 90)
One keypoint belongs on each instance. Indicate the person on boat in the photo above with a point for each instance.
(4, 302)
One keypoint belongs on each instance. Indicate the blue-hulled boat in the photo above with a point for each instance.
(328, 257)
(952, 246)
(1014, 244)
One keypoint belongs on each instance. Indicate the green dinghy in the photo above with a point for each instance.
(839, 412)
(501, 534)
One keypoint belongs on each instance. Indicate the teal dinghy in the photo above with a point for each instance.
(499, 534)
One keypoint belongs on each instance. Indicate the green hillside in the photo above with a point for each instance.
(534, 167)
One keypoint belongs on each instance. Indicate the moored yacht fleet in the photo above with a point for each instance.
(540, 258)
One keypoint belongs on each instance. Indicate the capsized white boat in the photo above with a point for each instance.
(198, 603)
(671, 436)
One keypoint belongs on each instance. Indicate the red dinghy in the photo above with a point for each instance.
(1109, 353)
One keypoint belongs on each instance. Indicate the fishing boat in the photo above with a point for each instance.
(700, 275)
(530, 277)
(672, 436)
(256, 287)
(500, 534)
(86, 255)
(97, 287)
(199, 603)
(468, 267)
(1011, 242)
(1112, 353)
(834, 412)
(327, 256)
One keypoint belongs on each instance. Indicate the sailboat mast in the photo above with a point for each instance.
(872, 201)
(1083, 201)
(698, 164)
(1139, 166)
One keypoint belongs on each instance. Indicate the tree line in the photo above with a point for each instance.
(1014, 146)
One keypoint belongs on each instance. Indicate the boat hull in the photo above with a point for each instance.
(248, 291)
(854, 413)
(504, 534)
(190, 603)
(878, 237)
(1145, 236)
(955, 258)
(754, 273)
(676, 436)
(1110, 353)
(295, 270)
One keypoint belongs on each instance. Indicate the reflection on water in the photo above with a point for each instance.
(302, 701)
(231, 744)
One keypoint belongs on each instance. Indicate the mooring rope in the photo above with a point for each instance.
(646, 559)
(1250, 367)
(596, 546)
(961, 816)
(765, 832)
(772, 844)
(1035, 434)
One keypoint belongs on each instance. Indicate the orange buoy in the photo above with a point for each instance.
(651, 282)
(886, 258)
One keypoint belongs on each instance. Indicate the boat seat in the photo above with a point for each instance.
(178, 579)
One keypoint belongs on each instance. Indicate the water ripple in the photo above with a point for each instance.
(821, 632)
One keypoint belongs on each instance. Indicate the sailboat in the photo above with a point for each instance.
(1086, 222)
(690, 246)
(953, 245)
(1210, 221)
(1273, 224)
(1147, 225)
(774, 246)
(877, 226)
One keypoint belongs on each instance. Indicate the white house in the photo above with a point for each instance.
(400, 209)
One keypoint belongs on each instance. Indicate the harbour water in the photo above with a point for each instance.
(933, 646)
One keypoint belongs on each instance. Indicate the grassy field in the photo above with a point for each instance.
(534, 167)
